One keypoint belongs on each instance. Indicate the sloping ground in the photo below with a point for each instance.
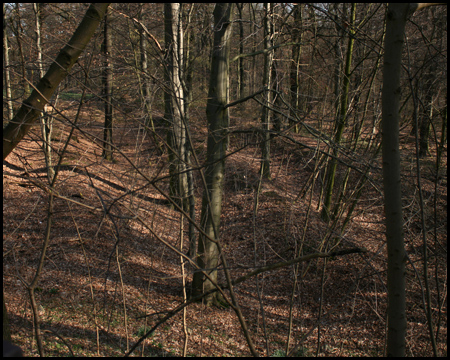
(102, 261)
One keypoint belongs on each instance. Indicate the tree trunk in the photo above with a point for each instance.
(240, 62)
(174, 104)
(297, 33)
(19, 35)
(218, 124)
(253, 30)
(341, 120)
(29, 112)
(397, 16)
(145, 83)
(267, 82)
(395, 26)
(427, 115)
(277, 91)
(6, 73)
(46, 118)
(107, 79)
(187, 88)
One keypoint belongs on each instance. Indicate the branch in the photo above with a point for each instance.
(294, 261)
(143, 27)
(264, 51)
(236, 102)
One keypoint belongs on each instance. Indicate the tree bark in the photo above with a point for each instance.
(218, 124)
(397, 16)
(174, 104)
(6, 70)
(267, 82)
(46, 118)
(297, 33)
(395, 27)
(341, 119)
(31, 108)
(107, 80)
(240, 63)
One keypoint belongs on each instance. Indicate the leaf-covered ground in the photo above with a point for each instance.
(108, 276)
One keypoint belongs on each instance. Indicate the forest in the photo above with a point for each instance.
(246, 179)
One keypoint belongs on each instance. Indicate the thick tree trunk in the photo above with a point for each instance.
(395, 27)
(218, 124)
(397, 16)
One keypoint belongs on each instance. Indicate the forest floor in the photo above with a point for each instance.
(108, 277)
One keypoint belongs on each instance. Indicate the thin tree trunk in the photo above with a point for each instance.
(46, 118)
(240, 62)
(187, 87)
(425, 124)
(174, 104)
(427, 115)
(253, 31)
(145, 83)
(218, 124)
(19, 36)
(277, 91)
(342, 118)
(295, 66)
(107, 89)
(6, 72)
(267, 82)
